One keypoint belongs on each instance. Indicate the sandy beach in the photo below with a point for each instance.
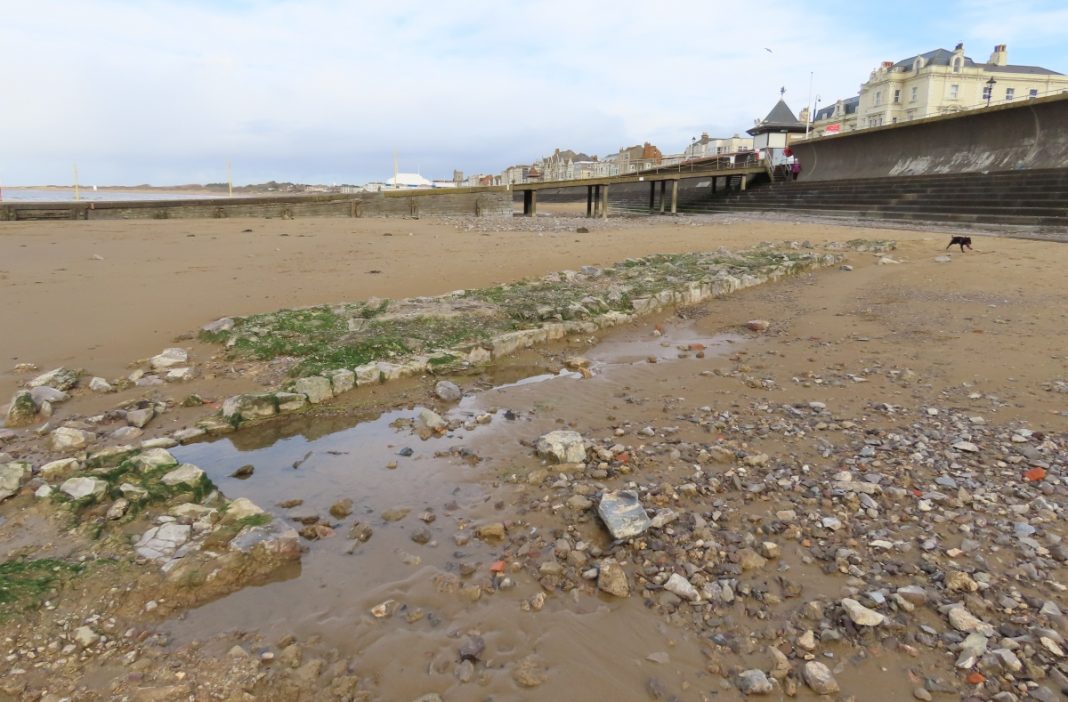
(800, 464)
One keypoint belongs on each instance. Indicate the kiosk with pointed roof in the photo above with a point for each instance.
(772, 134)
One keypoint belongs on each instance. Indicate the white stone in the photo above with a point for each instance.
(58, 469)
(562, 447)
(242, 507)
(150, 459)
(341, 380)
(317, 388)
(85, 637)
(140, 417)
(966, 446)
(185, 474)
(861, 615)
(818, 677)
(448, 391)
(431, 420)
(180, 375)
(78, 488)
(291, 401)
(169, 358)
(67, 439)
(682, 587)
(12, 475)
(98, 384)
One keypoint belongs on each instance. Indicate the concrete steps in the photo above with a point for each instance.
(1019, 198)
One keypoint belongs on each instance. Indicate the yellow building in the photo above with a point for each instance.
(936, 83)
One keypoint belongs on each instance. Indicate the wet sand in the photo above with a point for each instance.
(102, 294)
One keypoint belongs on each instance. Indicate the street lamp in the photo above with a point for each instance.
(990, 90)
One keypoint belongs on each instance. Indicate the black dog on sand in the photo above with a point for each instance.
(962, 241)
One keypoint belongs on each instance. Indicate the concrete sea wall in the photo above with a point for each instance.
(1024, 135)
(412, 203)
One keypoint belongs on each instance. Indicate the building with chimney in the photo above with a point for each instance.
(935, 83)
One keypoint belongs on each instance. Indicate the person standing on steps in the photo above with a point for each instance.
(795, 168)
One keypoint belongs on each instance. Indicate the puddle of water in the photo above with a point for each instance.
(320, 461)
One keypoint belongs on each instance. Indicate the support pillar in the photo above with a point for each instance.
(652, 195)
(597, 201)
(589, 200)
(528, 203)
(715, 179)
(533, 203)
(663, 188)
(674, 197)
(604, 203)
(744, 176)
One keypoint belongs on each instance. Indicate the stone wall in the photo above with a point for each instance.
(415, 203)
(1023, 135)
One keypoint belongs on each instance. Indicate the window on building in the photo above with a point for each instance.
(987, 92)
(893, 120)
(957, 64)
(1010, 93)
(897, 95)
(1032, 93)
(878, 97)
(915, 92)
(954, 91)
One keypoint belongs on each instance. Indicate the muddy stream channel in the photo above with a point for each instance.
(409, 547)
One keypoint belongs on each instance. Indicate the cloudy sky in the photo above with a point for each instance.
(322, 91)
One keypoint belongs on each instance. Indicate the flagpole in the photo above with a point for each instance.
(808, 120)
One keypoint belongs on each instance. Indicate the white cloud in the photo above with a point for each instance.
(167, 91)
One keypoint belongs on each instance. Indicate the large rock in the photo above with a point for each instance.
(562, 447)
(185, 474)
(623, 514)
(818, 677)
(77, 488)
(169, 359)
(317, 388)
(69, 439)
(250, 406)
(861, 615)
(22, 411)
(58, 378)
(12, 476)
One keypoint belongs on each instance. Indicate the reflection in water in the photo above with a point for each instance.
(403, 487)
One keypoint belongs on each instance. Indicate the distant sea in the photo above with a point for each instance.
(88, 194)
